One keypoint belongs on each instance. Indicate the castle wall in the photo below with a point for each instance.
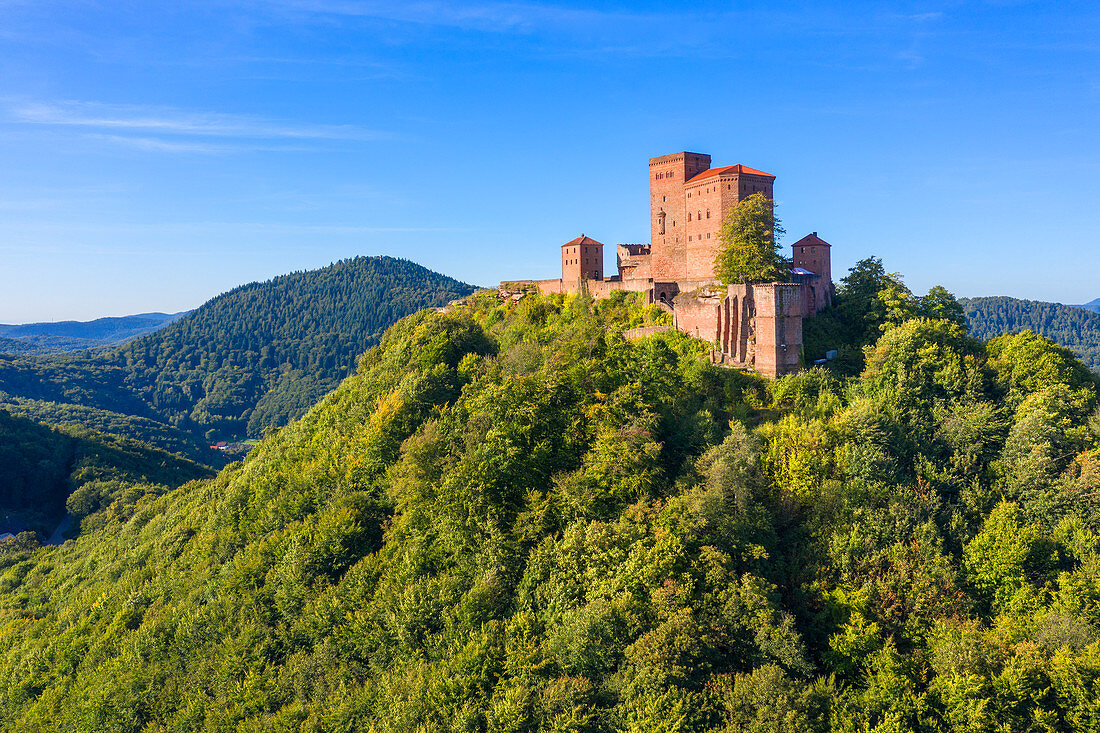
(688, 201)
(549, 287)
(699, 313)
(704, 223)
(602, 288)
(633, 261)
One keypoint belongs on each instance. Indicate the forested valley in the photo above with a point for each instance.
(511, 518)
(252, 358)
(45, 470)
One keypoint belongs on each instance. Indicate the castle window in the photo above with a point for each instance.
(708, 235)
(689, 216)
(708, 213)
(689, 237)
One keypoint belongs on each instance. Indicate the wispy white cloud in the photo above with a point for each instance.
(171, 121)
(165, 145)
(509, 17)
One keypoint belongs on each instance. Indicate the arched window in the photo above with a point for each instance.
(689, 216)
(708, 213)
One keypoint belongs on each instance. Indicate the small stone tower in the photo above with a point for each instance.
(581, 259)
(812, 254)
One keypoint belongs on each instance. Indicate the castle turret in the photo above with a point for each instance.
(812, 265)
(581, 259)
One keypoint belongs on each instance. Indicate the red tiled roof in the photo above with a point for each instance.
(582, 240)
(811, 239)
(729, 169)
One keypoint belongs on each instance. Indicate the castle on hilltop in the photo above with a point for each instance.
(753, 325)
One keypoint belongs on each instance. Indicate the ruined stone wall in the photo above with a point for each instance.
(778, 328)
(633, 261)
(698, 313)
(758, 326)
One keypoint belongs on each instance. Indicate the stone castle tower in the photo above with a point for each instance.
(688, 201)
(581, 260)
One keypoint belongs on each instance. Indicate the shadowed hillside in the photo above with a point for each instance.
(41, 467)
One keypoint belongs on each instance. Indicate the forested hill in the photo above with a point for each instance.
(514, 519)
(256, 356)
(1074, 327)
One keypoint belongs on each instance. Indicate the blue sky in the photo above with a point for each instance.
(154, 154)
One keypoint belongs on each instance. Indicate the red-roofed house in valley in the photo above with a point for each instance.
(757, 325)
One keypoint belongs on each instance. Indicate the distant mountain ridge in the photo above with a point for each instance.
(1092, 305)
(47, 337)
(1075, 327)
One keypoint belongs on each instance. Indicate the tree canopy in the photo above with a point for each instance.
(749, 249)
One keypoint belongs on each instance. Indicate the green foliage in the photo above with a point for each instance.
(869, 302)
(513, 519)
(750, 249)
(1025, 363)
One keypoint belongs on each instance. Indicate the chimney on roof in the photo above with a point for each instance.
(815, 234)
